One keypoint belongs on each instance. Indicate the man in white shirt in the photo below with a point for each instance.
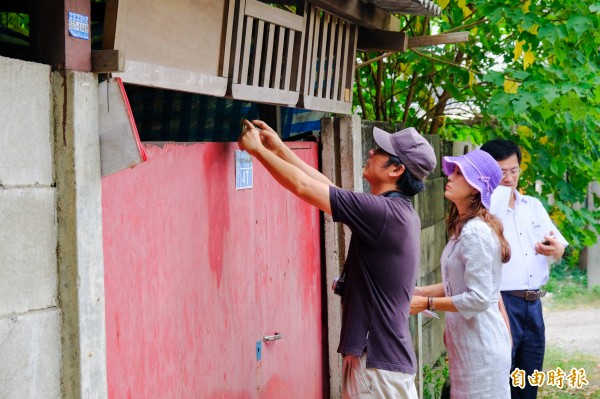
(535, 243)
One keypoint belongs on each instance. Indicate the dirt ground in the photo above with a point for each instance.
(576, 330)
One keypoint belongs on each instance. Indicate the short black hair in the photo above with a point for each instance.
(500, 149)
(407, 182)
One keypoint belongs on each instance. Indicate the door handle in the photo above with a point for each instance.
(275, 337)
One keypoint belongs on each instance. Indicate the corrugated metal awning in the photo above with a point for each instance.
(412, 7)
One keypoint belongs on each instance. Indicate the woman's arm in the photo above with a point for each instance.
(430, 290)
(421, 303)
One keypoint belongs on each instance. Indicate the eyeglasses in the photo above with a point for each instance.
(514, 172)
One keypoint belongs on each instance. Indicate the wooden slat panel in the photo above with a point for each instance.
(323, 54)
(267, 13)
(279, 59)
(351, 61)
(338, 61)
(225, 67)
(258, 47)
(246, 51)
(267, 81)
(238, 43)
(289, 62)
(299, 56)
(306, 75)
(315, 49)
(346, 43)
(330, 59)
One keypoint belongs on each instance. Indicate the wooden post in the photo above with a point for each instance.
(342, 164)
(60, 34)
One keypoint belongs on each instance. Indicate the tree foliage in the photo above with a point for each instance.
(529, 73)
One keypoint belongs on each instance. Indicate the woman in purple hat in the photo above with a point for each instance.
(477, 334)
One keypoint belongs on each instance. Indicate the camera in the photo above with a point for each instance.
(338, 285)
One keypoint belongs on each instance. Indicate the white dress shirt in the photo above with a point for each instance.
(524, 226)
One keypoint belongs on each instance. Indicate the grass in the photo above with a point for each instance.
(567, 289)
(555, 358)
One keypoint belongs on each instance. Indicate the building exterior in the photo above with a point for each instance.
(167, 279)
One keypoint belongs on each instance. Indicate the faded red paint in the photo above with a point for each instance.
(196, 273)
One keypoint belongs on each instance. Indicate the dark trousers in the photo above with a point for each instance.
(529, 340)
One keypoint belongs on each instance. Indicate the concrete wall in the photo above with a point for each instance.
(29, 313)
(34, 334)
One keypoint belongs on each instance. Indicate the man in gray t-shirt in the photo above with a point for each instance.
(383, 257)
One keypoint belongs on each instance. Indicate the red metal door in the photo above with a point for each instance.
(197, 273)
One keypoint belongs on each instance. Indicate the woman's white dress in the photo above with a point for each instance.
(477, 339)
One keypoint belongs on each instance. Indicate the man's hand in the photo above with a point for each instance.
(269, 138)
(249, 140)
(550, 247)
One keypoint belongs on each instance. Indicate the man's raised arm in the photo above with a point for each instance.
(293, 178)
(273, 142)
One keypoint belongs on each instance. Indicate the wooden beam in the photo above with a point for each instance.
(56, 43)
(371, 39)
(409, 7)
(362, 14)
(434, 40)
(106, 61)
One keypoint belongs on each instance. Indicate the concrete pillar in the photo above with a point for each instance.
(341, 163)
(79, 216)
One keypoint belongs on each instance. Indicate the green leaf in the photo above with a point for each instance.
(579, 24)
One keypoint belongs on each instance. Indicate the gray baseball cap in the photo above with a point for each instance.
(412, 149)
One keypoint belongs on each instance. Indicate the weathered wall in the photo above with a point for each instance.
(197, 273)
(29, 313)
(50, 251)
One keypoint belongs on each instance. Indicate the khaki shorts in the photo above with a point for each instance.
(359, 382)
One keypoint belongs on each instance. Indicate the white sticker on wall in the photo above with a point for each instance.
(243, 170)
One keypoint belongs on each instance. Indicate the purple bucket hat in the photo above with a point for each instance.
(413, 150)
(480, 170)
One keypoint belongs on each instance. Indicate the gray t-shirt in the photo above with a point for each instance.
(381, 271)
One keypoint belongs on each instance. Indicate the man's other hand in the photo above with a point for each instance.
(269, 137)
(249, 139)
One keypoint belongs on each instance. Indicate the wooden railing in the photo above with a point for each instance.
(262, 52)
(330, 49)
(274, 56)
